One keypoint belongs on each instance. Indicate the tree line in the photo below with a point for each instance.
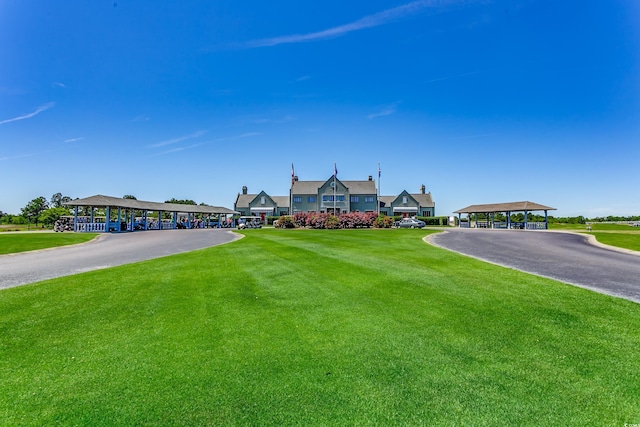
(43, 212)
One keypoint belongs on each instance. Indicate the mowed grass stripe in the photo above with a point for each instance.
(321, 328)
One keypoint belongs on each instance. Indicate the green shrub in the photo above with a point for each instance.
(383, 221)
(285, 221)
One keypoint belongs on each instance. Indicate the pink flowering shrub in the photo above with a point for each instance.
(329, 221)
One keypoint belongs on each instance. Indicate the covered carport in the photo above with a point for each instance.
(116, 214)
(490, 211)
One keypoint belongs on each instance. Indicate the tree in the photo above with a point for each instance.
(51, 215)
(129, 196)
(58, 199)
(181, 202)
(34, 208)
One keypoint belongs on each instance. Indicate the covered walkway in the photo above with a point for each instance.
(114, 214)
(498, 215)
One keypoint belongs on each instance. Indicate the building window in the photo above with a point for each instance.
(327, 198)
(341, 198)
(404, 199)
(263, 200)
(311, 199)
(297, 199)
(369, 199)
(426, 213)
(355, 199)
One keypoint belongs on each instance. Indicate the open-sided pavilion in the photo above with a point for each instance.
(490, 211)
(150, 215)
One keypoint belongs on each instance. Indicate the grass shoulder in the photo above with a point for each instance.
(618, 235)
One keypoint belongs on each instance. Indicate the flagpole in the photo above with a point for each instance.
(378, 195)
(335, 171)
(293, 179)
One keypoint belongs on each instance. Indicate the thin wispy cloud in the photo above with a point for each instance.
(215, 141)
(368, 21)
(234, 137)
(249, 134)
(22, 156)
(385, 111)
(60, 85)
(74, 139)
(28, 116)
(180, 139)
(140, 118)
(178, 149)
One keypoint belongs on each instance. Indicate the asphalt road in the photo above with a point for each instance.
(108, 250)
(568, 257)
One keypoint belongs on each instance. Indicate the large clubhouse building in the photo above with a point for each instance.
(334, 196)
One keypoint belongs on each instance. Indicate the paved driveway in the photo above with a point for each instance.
(108, 250)
(567, 257)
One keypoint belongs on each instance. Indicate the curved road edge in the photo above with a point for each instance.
(576, 259)
(109, 250)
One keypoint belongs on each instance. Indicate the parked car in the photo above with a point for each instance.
(410, 223)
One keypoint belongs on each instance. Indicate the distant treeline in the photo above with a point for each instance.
(531, 217)
(583, 220)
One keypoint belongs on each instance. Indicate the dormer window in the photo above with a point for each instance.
(263, 200)
(404, 200)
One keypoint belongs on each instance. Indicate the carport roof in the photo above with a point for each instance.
(505, 207)
(100, 200)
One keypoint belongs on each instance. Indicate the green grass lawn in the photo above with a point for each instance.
(620, 235)
(21, 242)
(627, 240)
(315, 327)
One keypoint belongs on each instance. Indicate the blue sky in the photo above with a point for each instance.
(481, 101)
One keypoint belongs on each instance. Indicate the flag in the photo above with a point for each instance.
(293, 174)
(335, 170)
(379, 171)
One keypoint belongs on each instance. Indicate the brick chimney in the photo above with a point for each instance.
(422, 189)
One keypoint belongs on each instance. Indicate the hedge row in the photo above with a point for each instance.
(349, 220)
(329, 221)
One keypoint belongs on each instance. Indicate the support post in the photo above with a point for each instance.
(546, 220)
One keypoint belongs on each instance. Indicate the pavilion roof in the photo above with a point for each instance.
(505, 207)
(100, 200)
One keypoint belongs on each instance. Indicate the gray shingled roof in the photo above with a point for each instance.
(355, 187)
(505, 207)
(424, 200)
(387, 200)
(281, 201)
(243, 200)
(100, 200)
